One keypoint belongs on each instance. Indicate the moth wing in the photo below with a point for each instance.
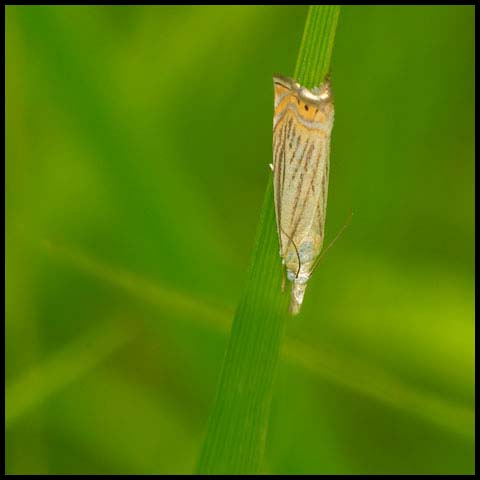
(301, 183)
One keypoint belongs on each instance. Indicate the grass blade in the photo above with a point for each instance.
(237, 429)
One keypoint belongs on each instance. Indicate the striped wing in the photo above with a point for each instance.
(301, 147)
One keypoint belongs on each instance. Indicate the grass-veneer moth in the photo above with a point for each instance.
(302, 125)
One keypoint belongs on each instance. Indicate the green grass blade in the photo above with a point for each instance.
(313, 61)
(237, 429)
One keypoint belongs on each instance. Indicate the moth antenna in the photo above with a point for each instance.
(296, 251)
(345, 225)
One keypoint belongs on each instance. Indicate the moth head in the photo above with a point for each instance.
(317, 96)
(314, 105)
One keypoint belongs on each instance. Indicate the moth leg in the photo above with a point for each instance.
(283, 279)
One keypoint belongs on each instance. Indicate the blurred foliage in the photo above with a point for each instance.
(137, 145)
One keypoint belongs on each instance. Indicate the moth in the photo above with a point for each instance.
(302, 126)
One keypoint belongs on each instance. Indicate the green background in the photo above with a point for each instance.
(137, 145)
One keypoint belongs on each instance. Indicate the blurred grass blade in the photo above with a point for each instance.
(141, 287)
(374, 382)
(64, 367)
(358, 376)
(238, 424)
